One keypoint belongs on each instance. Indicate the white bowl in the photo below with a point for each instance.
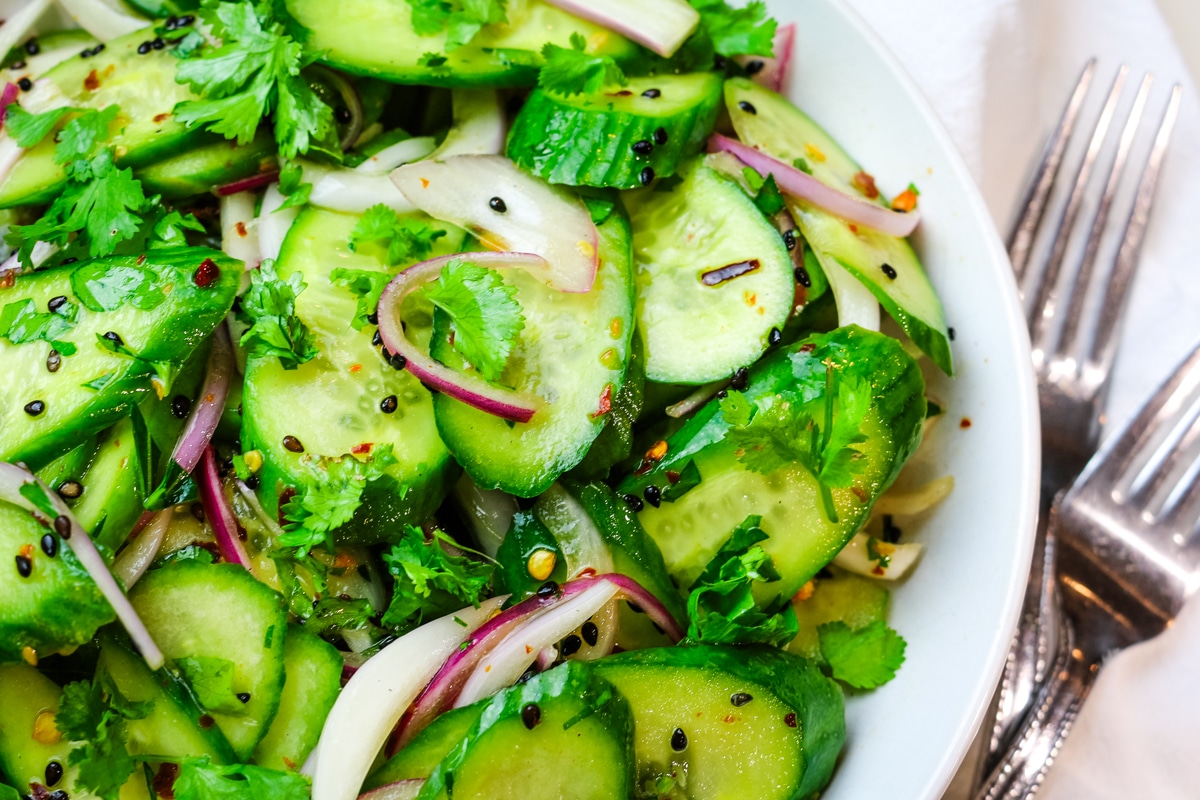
(959, 608)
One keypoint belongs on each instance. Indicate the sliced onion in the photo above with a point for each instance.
(695, 400)
(854, 558)
(239, 234)
(371, 703)
(489, 513)
(653, 608)
(12, 478)
(44, 96)
(661, 26)
(218, 512)
(7, 98)
(802, 186)
(774, 71)
(351, 191)
(105, 21)
(16, 28)
(352, 100)
(210, 403)
(142, 549)
(247, 184)
(398, 154)
(470, 389)
(915, 501)
(400, 790)
(42, 251)
(855, 303)
(274, 222)
(536, 218)
(479, 127)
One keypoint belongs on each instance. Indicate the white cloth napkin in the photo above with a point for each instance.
(998, 73)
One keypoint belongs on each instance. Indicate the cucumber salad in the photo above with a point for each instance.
(443, 399)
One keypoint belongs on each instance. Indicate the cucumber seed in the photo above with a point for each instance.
(747, 107)
(531, 715)
(292, 444)
(646, 176)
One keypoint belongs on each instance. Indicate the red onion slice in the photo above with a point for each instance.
(470, 389)
(219, 513)
(12, 478)
(210, 403)
(400, 790)
(509, 210)
(797, 184)
(142, 549)
(661, 26)
(479, 125)
(7, 98)
(774, 71)
(247, 184)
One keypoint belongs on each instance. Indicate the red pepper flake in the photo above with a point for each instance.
(345, 561)
(7, 279)
(878, 571)
(206, 722)
(728, 718)
(528, 649)
(673, 476)
(362, 449)
(789, 719)
(161, 118)
(806, 348)
(92, 81)
(240, 227)
(853, 228)
(38, 792)
(605, 402)
(965, 423)
(652, 457)
(865, 183)
(141, 259)
(860, 493)
(207, 273)
(164, 780)
(355, 368)
(26, 551)
(906, 201)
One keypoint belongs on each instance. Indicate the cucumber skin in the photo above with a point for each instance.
(577, 143)
(420, 757)
(312, 682)
(176, 327)
(211, 162)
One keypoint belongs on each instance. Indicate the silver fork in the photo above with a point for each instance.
(1128, 557)
(1074, 342)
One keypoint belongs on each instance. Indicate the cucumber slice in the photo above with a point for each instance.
(420, 757)
(54, 47)
(334, 403)
(156, 309)
(209, 163)
(572, 353)
(220, 611)
(802, 540)
(755, 722)
(714, 277)
(175, 727)
(611, 139)
(376, 38)
(145, 89)
(313, 670)
(779, 128)
(843, 597)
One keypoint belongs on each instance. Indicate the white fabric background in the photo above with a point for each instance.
(998, 73)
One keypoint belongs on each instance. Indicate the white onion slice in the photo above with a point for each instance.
(489, 513)
(853, 558)
(239, 234)
(479, 127)
(351, 191)
(105, 21)
(915, 501)
(470, 389)
(536, 218)
(39, 255)
(12, 478)
(774, 71)
(142, 549)
(398, 155)
(274, 223)
(658, 25)
(400, 790)
(16, 28)
(372, 702)
(855, 303)
(794, 183)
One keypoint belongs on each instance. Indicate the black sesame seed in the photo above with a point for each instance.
(143, 48)
(157, 44)
(32, 47)
(292, 444)
(643, 147)
(722, 394)
(635, 608)
(25, 84)
(740, 379)
(397, 361)
(56, 303)
(889, 270)
(53, 361)
(54, 773)
(34, 408)
(186, 20)
(115, 338)
(754, 67)
(802, 277)
(547, 589)
(60, 794)
(653, 94)
(789, 719)
(660, 136)
(343, 115)
(373, 318)
(719, 62)
(49, 545)
(740, 699)
(531, 715)
(789, 238)
(243, 697)
(69, 260)
(646, 176)
(951, 333)
(679, 740)
(571, 645)
(634, 502)
(774, 337)
(591, 634)
(653, 495)
(498, 205)
(253, 482)
(388, 404)
(180, 406)
(377, 339)
(98, 49)
(747, 107)
(71, 489)
(62, 526)
(24, 566)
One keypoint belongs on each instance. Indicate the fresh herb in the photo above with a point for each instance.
(200, 780)
(30, 129)
(865, 658)
(484, 311)
(35, 494)
(683, 482)
(435, 61)
(169, 226)
(879, 552)
(293, 187)
(99, 382)
(109, 287)
(368, 285)
(269, 305)
(769, 200)
(802, 165)
(211, 680)
(95, 713)
(255, 74)
(746, 31)
(407, 239)
(338, 614)
(429, 581)
(721, 605)
(21, 322)
(736, 409)
(571, 70)
(329, 501)
(460, 19)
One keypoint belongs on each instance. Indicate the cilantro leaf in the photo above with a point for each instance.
(81, 135)
(769, 200)
(460, 19)
(293, 187)
(865, 658)
(95, 713)
(30, 129)
(571, 70)
(485, 313)
(733, 31)
(329, 501)
(407, 239)
(736, 409)
(721, 604)
(211, 680)
(368, 285)
(201, 780)
(21, 322)
(429, 581)
(270, 306)
(337, 613)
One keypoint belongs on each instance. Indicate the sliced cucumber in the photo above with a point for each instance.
(144, 87)
(571, 353)
(376, 38)
(613, 138)
(54, 47)
(209, 163)
(842, 597)
(729, 722)
(420, 757)
(156, 309)
(803, 539)
(221, 612)
(779, 128)
(335, 403)
(313, 670)
(710, 269)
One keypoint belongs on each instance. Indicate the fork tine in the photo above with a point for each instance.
(1165, 469)
(1181, 510)
(1079, 289)
(1105, 344)
(1045, 298)
(1020, 241)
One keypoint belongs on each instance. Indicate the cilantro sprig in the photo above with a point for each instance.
(865, 658)
(430, 582)
(199, 779)
(269, 306)
(406, 239)
(485, 312)
(459, 19)
(96, 713)
(21, 322)
(570, 71)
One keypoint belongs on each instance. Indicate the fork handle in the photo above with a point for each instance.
(1023, 768)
